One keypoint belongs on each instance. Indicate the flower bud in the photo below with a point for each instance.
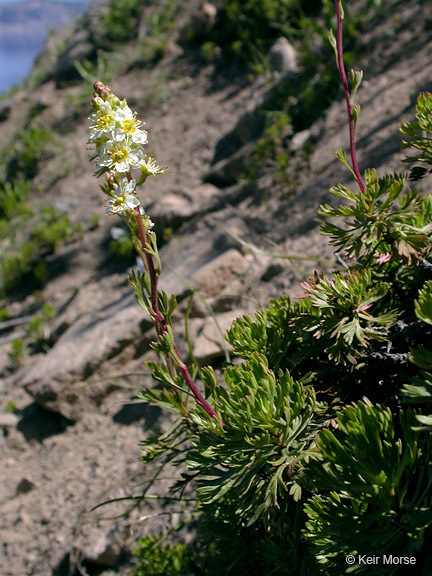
(101, 89)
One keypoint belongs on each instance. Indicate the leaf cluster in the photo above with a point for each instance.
(419, 136)
(375, 483)
(27, 234)
(269, 418)
(386, 218)
(345, 303)
(419, 391)
(155, 558)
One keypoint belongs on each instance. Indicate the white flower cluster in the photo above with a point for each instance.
(118, 138)
(117, 135)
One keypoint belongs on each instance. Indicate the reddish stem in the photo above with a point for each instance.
(161, 325)
(341, 68)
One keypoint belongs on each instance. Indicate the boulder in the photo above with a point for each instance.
(212, 278)
(282, 57)
(55, 382)
(207, 335)
(180, 206)
(107, 549)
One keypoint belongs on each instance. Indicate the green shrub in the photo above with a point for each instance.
(155, 559)
(27, 235)
(121, 247)
(246, 28)
(12, 198)
(14, 266)
(31, 146)
(306, 452)
(318, 457)
(37, 327)
(4, 314)
(27, 240)
(52, 227)
(17, 352)
(11, 407)
(94, 221)
(120, 24)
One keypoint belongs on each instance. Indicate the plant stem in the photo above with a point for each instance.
(161, 325)
(342, 73)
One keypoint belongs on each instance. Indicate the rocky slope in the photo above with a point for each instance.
(73, 441)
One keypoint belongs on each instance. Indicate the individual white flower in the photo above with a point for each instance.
(127, 126)
(119, 155)
(123, 198)
(149, 168)
(123, 111)
(102, 124)
(125, 185)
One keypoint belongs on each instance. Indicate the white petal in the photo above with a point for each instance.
(122, 166)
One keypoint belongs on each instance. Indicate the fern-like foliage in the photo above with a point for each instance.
(270, 427)
(420, 389)
(345, 319)
(419, 136)
(423, 306)
(379, 483)
(268, 334)
(386, 218)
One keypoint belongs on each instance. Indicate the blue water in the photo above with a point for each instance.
(9, 2)
(15, 65)
(16, 60)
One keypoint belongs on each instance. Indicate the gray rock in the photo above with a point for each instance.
(299, 140)
(55, 382)
(181, 206)
(188, 259)
(107, 550)
(211, 278)
(8, 420)
(207, 335)
(25, 485)
(200, 22)
(282, 57)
